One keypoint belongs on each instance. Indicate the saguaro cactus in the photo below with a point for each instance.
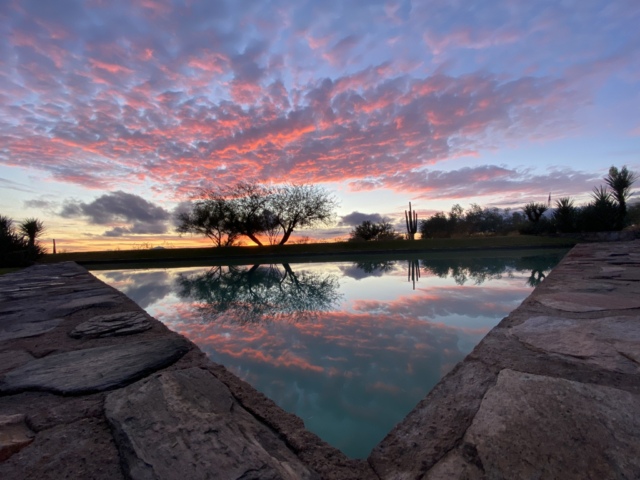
(411, 218)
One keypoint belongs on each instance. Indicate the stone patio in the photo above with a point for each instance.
(92, 387)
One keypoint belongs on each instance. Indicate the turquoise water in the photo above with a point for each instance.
(350, 346)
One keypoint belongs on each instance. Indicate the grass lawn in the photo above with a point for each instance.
(308, 251)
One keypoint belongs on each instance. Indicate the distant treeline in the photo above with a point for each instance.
(607, 211)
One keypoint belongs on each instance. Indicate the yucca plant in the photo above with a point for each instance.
(620, 182)
(600, 215)
(564, 215)
(32, 228)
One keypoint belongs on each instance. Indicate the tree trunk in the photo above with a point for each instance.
(253, 238)
(286, 236)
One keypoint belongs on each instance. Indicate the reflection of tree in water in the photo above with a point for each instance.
(375, 266)
(480, 270)
(259, 293)
(536, 278)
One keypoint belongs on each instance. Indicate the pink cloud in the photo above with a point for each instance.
(200, 94)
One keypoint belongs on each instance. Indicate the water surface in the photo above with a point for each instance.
(350, 346)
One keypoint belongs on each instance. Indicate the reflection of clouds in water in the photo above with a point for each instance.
(143, 287)
(364, 371)
(437, 302)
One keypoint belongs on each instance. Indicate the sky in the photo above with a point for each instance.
(113, 113)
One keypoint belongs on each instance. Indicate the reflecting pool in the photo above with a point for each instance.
(348, 346)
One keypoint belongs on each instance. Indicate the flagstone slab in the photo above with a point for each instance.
(94, 369)
(532, 426)
(588, 302)
(186, 424)
(81, 450)
(116, 324)
(21, 325)
(10, 359)
(94, 301)
(610, 342)
(434, 426)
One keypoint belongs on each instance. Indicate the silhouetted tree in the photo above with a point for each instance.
(436, 226)
(32, 228)
(534, 211)
(255, 210)
(600, 214)
(250, 203)
(372, 231)
(213, 217)
(620, 182)
(565, 215)
(20, 247)
(300, 206)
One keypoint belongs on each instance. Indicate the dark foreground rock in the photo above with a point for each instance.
(117, 324)
(186, 424)
(532, 426)
(94, 369)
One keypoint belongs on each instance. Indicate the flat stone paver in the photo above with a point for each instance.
(588, 302)
(117, 324)
(22, 326)
(186, 424)
(10, 359)
(531, 426)
(611, 342)
(94, 301)
(77, 451)
(94, 369)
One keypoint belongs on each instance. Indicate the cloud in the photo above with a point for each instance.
(127, 213)
(111, 95)
(46, 206)
(356, 218)
(508, 185)
(11, 185)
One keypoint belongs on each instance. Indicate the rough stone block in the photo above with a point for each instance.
(609, 342)
(80, 450)
(116, 324)
(186, 424)
(587, 302)
(23, 326)
(531, 426)
(95, 369)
